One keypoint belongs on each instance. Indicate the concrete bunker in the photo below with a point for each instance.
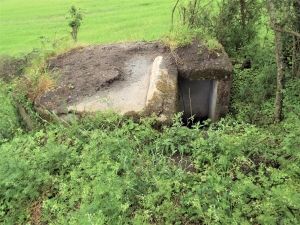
(141, 79)
(204, 82)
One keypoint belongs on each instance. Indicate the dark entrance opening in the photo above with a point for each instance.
(196, 99)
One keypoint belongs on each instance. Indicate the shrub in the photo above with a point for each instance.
(234, 19)
(75, 20)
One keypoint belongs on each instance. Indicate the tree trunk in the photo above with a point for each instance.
(243, 13)
(280, 77)
(297, 13)
(296, 57)
(279, 61)
(74, 33)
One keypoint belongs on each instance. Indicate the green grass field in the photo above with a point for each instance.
(22, 23)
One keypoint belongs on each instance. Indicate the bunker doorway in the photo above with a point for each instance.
(197, 99)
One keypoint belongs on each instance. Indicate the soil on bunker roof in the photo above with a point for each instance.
(85, 71)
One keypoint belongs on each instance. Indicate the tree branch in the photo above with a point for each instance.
(282, 30)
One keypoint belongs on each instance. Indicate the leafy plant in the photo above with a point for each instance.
(74, 20)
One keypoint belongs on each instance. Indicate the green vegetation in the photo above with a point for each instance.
(108, 169)
(23, 22)
(75, 20)
(89, 173)
(9, 120)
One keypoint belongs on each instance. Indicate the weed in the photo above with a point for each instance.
(75, 20)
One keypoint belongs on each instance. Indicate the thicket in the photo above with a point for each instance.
(90, 173)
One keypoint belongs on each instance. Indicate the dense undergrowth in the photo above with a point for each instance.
(110, 170)
(106, 169)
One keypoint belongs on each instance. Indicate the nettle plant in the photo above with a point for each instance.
(75, 19)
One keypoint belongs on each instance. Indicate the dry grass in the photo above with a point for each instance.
(34, 87)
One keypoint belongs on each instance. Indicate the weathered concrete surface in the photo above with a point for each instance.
(163, 89)
(86, 72)
(123, 96)
(222, 99)
(107, 77)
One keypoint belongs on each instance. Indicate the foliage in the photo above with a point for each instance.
(9, 120)
(253, 89)
(183, 35)
(237, 17)
(179, 37)
(223, 20)
(189, 13)
(75, 20)
(11, 67)
(197, 14)
(286, 20)
(90, 173)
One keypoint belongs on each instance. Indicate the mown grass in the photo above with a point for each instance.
(22, 23)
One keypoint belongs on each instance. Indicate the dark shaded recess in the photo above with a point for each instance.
(195, 99)
(247, 64)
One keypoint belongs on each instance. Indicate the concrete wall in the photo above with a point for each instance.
(163, 89)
